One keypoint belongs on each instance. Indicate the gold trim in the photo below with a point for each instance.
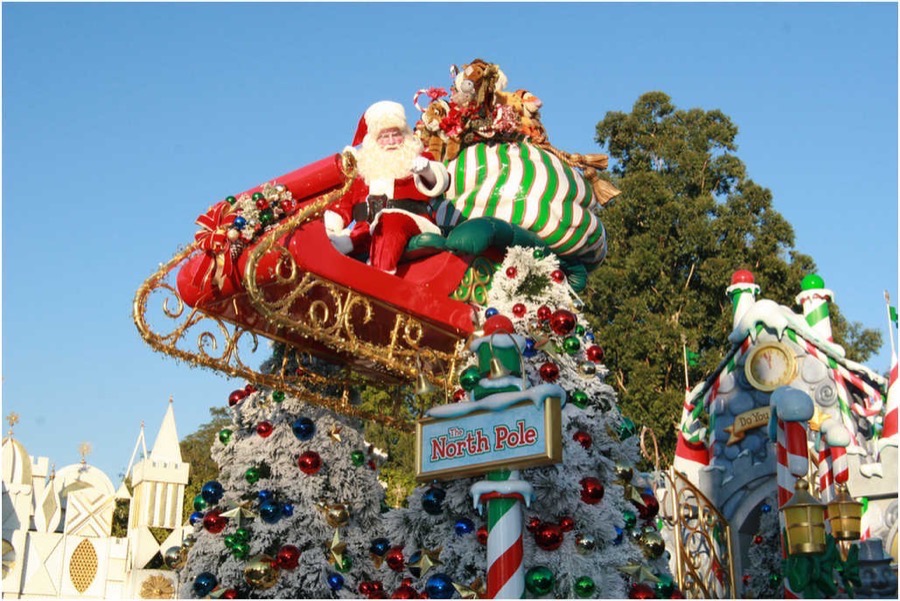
(785, 378)
(551, 453)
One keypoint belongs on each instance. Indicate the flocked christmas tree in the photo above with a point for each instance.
(763, 578)
(297, 510)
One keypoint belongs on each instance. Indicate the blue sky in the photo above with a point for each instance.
(123, 122)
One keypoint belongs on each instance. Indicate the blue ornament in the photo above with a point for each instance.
(463, 526)
(304, 428)
(433, 500)
(212, 492)
(204, 583)
(265, 495)
(439, 586)
(589, 336)
(766, 508)
(620, 535)
(239, 223)
(287, 510)
(414, 559)
(380, 547)
(335, 581)
(529, 348)
(270, 512)
(491, 312)
(196, 517)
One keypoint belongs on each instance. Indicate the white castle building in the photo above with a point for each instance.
(57, 524)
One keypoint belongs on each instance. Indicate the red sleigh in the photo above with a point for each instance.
(291, 285)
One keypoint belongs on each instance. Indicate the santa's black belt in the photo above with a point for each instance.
(375, 204)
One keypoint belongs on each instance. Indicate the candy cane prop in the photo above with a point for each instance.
(503, 493)
(814, 300)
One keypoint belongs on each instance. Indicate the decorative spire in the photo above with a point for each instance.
(742, 293)
(166, 447)
(12, 419)
(814, 298)
(84, 449)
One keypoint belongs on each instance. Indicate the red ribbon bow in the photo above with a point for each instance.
(213, 240)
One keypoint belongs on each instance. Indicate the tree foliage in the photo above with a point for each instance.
(688, 217)
(195, 451)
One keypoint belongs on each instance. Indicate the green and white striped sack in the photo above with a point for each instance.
(526, 186)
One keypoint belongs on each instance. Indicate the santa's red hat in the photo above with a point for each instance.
(380, 116)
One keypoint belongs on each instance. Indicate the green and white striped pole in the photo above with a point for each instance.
(814, 299)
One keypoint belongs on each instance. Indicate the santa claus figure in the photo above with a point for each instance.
(391, 200)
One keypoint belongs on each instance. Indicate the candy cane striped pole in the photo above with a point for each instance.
(825, 473)
(889, 434)
(814, 300)
(503, 493)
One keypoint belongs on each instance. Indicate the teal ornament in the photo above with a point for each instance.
(630, 519)
(665, 586)
(571, 345)
(469, 378)
(627, 429)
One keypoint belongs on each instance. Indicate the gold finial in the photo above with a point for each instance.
(171, 399)
(12, 419)
(84, 449)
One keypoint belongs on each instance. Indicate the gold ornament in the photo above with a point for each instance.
(175, 557)
(476, 590)
(427, 560)
(157, 587)
(585, 543)
(336, 549)
(652, 544)
(335, 432)
(240, 511)
(639, 573)
(624, 473)
(261, 572)
(188, 541)
(587, 369)
(337, 514)
(633, 495)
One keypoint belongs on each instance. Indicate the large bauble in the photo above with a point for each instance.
(652, 544)
(641, 590)
(379, 547)
(498, 324)
(212, 492)
(549, 372)
(261, 572)
(337, 515)
(214, 522)
(439, 586)
(433, 500)
(270, 512)
(236, 397)
(303, 428)
(584, 587)
(394, 559)
(309, 462)
(562, 322)
(548, 536)
(585, 544)
(335, 581)
(650, 507)
(469, 378)
(288, 557)
(405, 591)
(539, 580)
(665, 586)
(204, 583)
(175, 557)
(592, 490)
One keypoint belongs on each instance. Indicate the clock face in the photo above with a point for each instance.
(769, 366)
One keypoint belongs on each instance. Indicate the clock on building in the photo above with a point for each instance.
(769, 366)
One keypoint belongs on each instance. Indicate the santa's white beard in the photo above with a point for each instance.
(374, 162)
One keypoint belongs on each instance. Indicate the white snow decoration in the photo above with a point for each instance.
(504, 487)
(499, 340)
(501, 382)
(835, 433)
(779, 318)
(500, 401)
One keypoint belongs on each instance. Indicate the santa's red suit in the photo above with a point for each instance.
(387, 212)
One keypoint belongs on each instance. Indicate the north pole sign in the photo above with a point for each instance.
(511, 430)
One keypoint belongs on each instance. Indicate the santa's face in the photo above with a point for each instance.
(390, 138)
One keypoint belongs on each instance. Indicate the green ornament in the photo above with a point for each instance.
(539, 580)
(774, 578)
(357, 458)
(630, 519)
(571, 345)
(277, 396)
(584, 587)
(241, 550)
(230, 540)
(660, 524)
(242, 535)
(230, 200)
(865, 504)
(579, 330)
(627, 429)
(252, 475)
(346, 564)
(468, 379)
(539, 253)
(258, 196)
(665, 586)
(200, 503)
(579, 398)
(225, 436)
(812, 281)
(266, 217)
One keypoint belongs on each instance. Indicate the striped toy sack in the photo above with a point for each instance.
(522, 184)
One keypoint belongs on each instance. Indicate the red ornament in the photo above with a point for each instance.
(567, 524)
(511, 272)
(592, 490)
(583, 438)
(533, 524)
(745, 579)
(264, 429)
(742, 276)
(213, 521)
(562, 322)
(250, 389)
(377, 590)
(482, 534)
(262, 204)
(519, 310)
(650, 508)
(595, 353)
(230, 594)
(558, 276)
(405, 590)
(549, 371)
(459, 395)
(676, 594)
(394, 559)
(236, 397)
(548, 537)
(544, 313)
(288, 557)
(309, 462)
(365, 588)
(641, 590)
(498, 323)
(758, 539)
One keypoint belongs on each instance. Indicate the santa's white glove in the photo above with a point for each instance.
(334, 223)
(420, 164)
